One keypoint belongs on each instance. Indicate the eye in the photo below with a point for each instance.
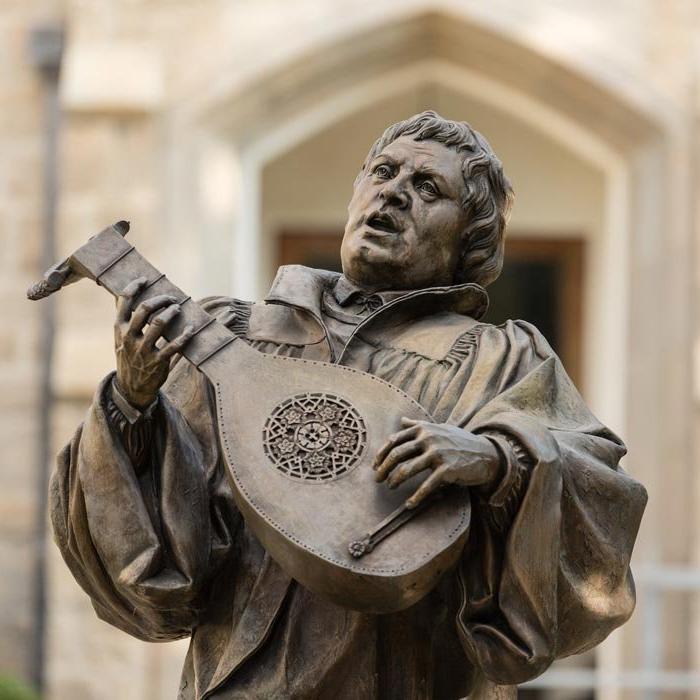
(427, 187)
(383, 171)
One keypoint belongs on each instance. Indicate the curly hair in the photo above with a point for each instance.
(489, 195)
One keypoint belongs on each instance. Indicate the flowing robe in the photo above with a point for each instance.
(144, 517)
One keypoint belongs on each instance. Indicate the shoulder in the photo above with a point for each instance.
(513, 338)
(265, 322)
(517, 334)
(453, 335)
(516, 348)
(234, 313)
(216, 305)
(432, 336)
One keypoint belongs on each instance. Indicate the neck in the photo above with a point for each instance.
(114, 263)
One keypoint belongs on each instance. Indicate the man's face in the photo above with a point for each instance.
(405, 218)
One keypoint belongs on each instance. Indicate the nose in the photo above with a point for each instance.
(394, 194)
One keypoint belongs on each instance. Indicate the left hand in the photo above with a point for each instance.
(454, 455)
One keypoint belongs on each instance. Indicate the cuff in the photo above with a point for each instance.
(134, 427)
(130, 412)
(504, 501)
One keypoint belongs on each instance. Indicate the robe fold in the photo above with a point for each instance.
(163, 553)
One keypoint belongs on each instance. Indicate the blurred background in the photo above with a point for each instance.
(229, 133)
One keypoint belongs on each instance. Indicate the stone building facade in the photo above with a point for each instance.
(208, 125)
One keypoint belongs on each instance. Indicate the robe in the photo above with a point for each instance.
(143, 514)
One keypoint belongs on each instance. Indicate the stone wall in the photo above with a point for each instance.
(21, 146)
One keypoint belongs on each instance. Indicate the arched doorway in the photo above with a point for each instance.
(557, 216)
(255, 126)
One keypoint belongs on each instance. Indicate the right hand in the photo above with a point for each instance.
(142, 367)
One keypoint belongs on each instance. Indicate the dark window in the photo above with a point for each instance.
(528, 290)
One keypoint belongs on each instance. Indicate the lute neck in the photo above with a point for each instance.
(110, 260)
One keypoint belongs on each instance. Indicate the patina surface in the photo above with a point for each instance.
(145, 517)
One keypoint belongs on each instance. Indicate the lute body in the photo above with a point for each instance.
(298, 438)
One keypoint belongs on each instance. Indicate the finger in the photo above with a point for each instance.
(407, 470)
(146, 308)
(126, 298)
(157, 325)
(175, 345)
(395, 457)
(428, 487)
(411, 421)
(393, 441)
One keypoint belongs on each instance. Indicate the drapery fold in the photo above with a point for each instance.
(163, 552)
(143, 548)
(558, 582)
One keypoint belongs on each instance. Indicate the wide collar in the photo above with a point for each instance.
(303, 287)
(346, 291)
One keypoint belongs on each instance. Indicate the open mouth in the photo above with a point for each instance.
(381, 221)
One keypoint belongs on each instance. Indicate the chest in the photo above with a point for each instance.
(428, 358)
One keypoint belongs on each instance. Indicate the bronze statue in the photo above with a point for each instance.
(220, 486)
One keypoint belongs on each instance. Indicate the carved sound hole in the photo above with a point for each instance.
(314, 437)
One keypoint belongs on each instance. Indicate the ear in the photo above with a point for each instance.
(462, 265)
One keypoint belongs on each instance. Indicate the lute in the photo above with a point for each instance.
(298, 438)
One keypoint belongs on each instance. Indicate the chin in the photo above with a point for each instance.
(370, 267)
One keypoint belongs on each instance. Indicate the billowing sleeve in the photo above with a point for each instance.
(555, 580)
(146, 540)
